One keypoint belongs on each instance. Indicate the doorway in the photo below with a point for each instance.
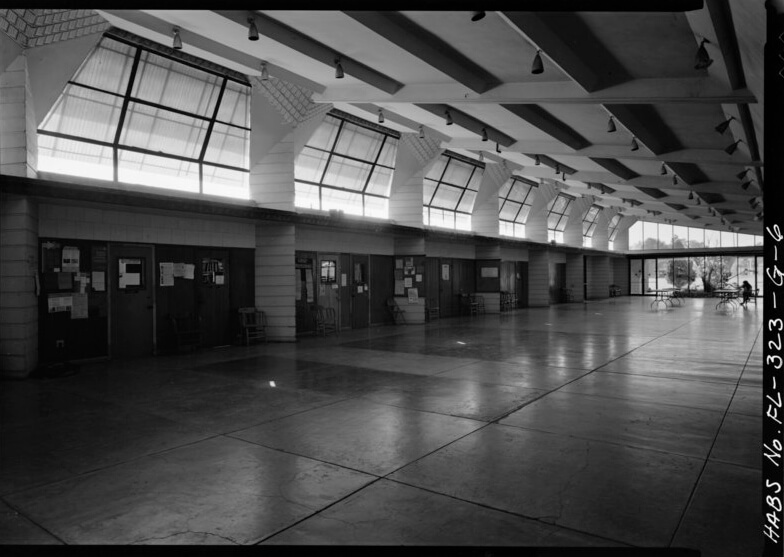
(132, 301)
(360, 307)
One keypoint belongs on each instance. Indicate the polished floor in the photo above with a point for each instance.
(604, 424)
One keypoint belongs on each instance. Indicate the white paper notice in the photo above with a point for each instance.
(167, 274)
(99, 281)
(70, 259)
(179, 270)
(189, 268)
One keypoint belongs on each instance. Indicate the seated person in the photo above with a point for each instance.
(746, 292)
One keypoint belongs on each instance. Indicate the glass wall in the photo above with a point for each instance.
(697, 275)
(645, 235)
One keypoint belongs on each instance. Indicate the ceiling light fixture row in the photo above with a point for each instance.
(702, 59)
(380, 115)
(476, 16)
(253, 32)
(537, 67)
(634, 146)
(732, 147)
(338, 69)
(721, 128)
(264, 72)
(176, 41)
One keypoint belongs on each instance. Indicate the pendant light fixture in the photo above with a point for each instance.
(537, 160)
(253, 32)
(691, 195)
(732, 147)
(448, 116)
(421, 131)
(484, 134)
(177, 41)
(481, 156)
(557, 168)
(745, 185)
(380, 116)
(674, 180)
(702, 59)
(338, 69)
(476, 16)
(635, 147)
(264, 72)
(537, 67)
(663, 170)
(497, 147)
(740, 175)
(611, 125)
(721, 128)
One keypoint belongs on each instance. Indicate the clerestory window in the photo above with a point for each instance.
(557, 216)
(450, 189)
(347, 165)
(515, 199)
(134, 113)
(589, 224)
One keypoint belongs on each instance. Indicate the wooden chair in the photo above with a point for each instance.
(615, 290)
(567, 295)
(478, 302)
(431, 309)
(325, 320)
(398, 315)
(253, 325)
(187, 330)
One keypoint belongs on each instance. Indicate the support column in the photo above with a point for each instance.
(18, 299)
(414, 158)
(275, 279)
(484, 219)
(18, 141)
(538, 278)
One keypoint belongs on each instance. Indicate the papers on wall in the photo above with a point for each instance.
(398, 263)
(99, 281)
(413, 296)
(179, 270)
(489, 272)
(70, 259)
(407, 282)
(79, 307)
(58, 303)
(83, 279)
(343, 279)
(445, 272)
(220, 279)
(400, 290)
(419, 278)
(188, 271)
(167, 273)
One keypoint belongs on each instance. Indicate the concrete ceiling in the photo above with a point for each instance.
(635, 66)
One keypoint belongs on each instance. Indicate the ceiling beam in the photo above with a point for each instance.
(592, 66)
(426, 46)
(469, 123)
(157, 30)
(302, 43)
(549, 124)
(555, 148)
(638, 91)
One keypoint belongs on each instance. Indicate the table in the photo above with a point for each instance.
(664, 296)
(729, 297)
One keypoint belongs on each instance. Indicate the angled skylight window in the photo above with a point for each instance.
(450, 188)
(347, 165)
(134, 113)
(589, 224)
(612, 229)
(515, 198)
(557, 216)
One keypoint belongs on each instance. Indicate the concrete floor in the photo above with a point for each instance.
(597, 424)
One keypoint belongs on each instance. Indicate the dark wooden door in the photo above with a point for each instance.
(448, 303)
(305, 281)
(521, 288)
(212, 296)
(328, 271)
(131, 288)
(360, 308)
(382, 287)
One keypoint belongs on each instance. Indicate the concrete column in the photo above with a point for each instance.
(18, 140)
(18, 296)
(538, 278)
(536, 225)
(275, 279)
(599, 277)
(414, 158)
(484, 219)
(600, 233)
(574, 275)
(573, 233)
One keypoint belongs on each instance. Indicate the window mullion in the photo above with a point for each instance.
(208, 135)
(123, 112)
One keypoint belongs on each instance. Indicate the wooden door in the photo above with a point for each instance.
(212, 296)
(521, 281)
(382, 287)
(448, 303)
(132, 300)
(305, 284)
(360, 307)
(328, 278)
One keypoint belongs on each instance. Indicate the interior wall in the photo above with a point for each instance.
(338, 241)
(462, 250)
